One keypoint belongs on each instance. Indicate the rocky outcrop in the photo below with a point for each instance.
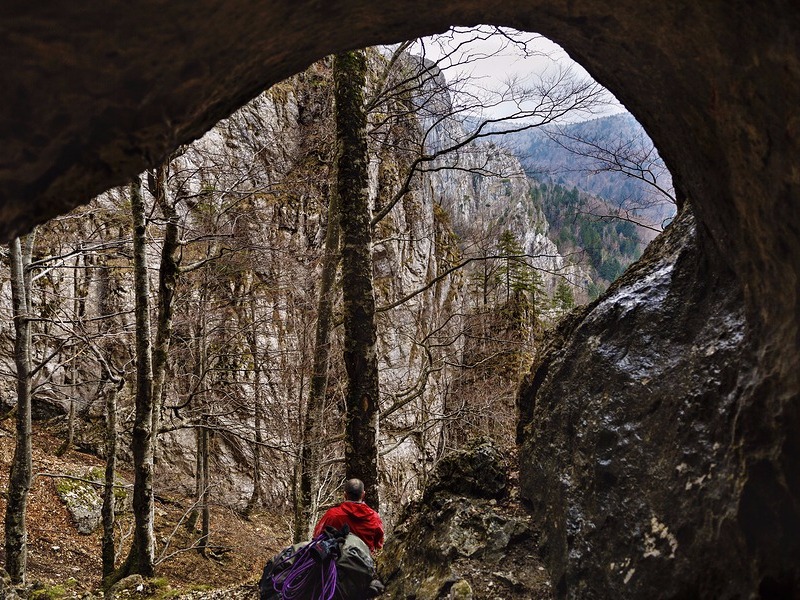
(82, 502)
(80, 493)
(467, 538)
(632, 449)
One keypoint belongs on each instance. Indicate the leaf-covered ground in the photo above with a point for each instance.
(69, 564)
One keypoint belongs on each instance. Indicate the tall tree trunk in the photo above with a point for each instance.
(194, 515)
(361, 452)
(248, 323)
(108, 510)
(167, 277)
(312, 425)
(77, 315)
(19, 482)
(113, 382)
(70, 439)
(257, 497)
(200, 366)
(205, 492)
(142, 439)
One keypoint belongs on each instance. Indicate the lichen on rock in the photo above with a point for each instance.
(78, 491)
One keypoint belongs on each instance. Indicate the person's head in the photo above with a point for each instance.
(354, 490)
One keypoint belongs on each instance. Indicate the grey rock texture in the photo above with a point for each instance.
(482, 472)
(633, 438)
(467, 538)
(82, 501)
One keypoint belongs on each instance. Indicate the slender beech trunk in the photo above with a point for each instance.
(361, 452)
(70, 439)
(77, 313)
(249, 324)
(194, 515)
(200, 366)
(108, 510)
(312, 427)
(141, 557)
(113, 381)
(205, 509)
(257, 497)
(19, 481)
(167, 277)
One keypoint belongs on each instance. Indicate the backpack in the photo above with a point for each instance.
(336, 565)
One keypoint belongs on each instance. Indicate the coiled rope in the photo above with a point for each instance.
(313, 574)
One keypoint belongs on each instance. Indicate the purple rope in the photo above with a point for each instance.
(298, 582)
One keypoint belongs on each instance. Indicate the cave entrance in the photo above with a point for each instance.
(715, 85)
(679, 69)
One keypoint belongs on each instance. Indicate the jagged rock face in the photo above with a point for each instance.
(632, 438)
(467, 538)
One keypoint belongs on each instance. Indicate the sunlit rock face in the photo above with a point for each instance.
(632, 442)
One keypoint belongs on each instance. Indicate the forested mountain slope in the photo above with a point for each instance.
(609, 157)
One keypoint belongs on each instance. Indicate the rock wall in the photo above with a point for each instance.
(633, 447)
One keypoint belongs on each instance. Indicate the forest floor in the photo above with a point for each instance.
(59, 556)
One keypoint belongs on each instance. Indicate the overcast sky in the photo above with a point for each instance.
(490, 60)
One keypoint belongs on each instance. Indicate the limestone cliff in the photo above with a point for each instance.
(251, 198)
(278, 145)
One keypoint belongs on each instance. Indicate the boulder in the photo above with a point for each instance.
(465, 538)
(643, 451)
(481, 471)
(82, 499)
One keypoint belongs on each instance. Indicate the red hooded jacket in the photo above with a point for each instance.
(363, 521)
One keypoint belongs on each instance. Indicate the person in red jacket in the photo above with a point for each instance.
(362, 520)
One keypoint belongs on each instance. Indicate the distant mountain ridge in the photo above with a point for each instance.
(545, 157)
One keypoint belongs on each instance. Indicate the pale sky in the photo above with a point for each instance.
(490, 60)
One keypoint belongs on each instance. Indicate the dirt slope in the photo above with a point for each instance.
(58, 554)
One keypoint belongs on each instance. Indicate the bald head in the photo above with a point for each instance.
(354, 490)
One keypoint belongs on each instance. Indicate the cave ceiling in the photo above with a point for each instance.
(94, 92)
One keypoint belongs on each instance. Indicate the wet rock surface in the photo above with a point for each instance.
(464, 539)
(633, 438)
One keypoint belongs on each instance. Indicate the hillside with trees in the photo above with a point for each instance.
(608, 157)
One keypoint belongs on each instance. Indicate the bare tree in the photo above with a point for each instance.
(309, 464)
(167, 276)
(635, 158)
(141, 556)
(19, 481)
(431, 113)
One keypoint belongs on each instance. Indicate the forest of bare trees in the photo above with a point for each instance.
(342, 279)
